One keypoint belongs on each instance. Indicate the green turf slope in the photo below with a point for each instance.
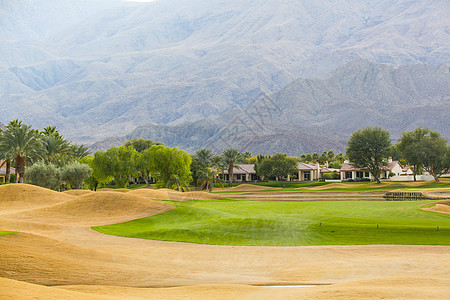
(229, 222)
(7, 232)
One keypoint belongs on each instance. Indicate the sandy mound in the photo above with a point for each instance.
(377, 288)
(95, 209)
(122, 190)
(41, 260)
(167, 194)
(78, 192)
(19, 197)
(335, 185)
(13, 289)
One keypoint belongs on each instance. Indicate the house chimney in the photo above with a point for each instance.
(390, 159)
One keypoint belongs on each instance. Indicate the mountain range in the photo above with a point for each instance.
(187, 72)
(315, 115)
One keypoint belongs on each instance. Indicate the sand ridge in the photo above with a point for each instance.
(167, 194)
(22, 197)
(95, 209)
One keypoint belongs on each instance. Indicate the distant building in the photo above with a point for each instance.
(348, 172)
(3, 173)
(308, 171)
(241, 173)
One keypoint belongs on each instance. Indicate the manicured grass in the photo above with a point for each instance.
(231, 222)
(7, 232)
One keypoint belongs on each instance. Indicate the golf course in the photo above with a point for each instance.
(302, 241)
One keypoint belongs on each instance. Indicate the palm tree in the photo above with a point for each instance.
(55, 148)
(21, 142)
(204, 156)
(230, 157)
(79, 151)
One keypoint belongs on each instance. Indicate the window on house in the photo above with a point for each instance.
(307, 175)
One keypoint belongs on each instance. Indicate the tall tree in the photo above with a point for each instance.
(278, 166)
(79, 151)
(56, 150)
(218, 163)
(340, 157)
(231, 156)
(409, 147)
(315, 157)
(434, 154)
(97, 176)
(170, 166)
(21, 142)
(140, 145)
(204, 156)
(330, 155)
(200, 165)
(368, 149)
(116, 162)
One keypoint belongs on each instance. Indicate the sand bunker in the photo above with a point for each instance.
(121, 190)
(20, 197)
(335, 185)
(167, 194)
(442, 206)
(42, 260)
(78, 192)
(95, 209)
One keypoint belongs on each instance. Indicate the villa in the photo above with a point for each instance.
(308, 171)
(348, 172)
(241, 173)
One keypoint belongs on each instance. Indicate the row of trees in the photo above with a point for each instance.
(334, 161)
(53, 161)
(140, 159)
(422, 148)
(22, 146)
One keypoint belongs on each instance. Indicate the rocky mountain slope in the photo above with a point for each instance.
(101, 68)
(320, 114)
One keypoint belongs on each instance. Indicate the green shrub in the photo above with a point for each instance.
(44, 175)
(333, 175)
(74, 174)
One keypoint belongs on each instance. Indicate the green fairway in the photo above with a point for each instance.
(230, 222)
